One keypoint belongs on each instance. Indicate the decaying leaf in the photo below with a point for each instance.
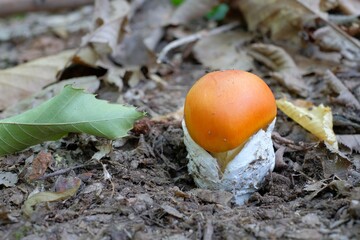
(8, 179)
(350, 141)
(345, 96)
(190, 10)
(283, 19)
(24, 80)
(40, 164)
(71, 111)
(317, 120)
(331, 41)
(49, 197)
(172, 211)
(224, 51)
(108, 26)
(283, 66)
(341, 187)
(145, 31)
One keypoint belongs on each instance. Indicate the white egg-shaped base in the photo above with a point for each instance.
(243, 175)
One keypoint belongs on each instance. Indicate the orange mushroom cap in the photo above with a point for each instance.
(223, 109)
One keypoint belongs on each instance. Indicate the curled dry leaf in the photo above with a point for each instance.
(190, 10)
(317, 120)
(108, 26)
(224, 51)
(345, 96)
(284, 68)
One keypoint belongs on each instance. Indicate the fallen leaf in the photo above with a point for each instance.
(40, 164)
(281, 19)
(104, 149)
(8, 179)
(146, 29)
(317, 120)
(225, 51)
(330, 41)
(344, 94)
(350, 141)
(108, 26)
(172, 211)
(49, 197)
(90, 84)
(285, 70)
(24, 80)
(333, 162)
(71, 111)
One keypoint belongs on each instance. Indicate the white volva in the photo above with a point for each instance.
(243, 175)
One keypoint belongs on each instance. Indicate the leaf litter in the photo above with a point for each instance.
(312, 194)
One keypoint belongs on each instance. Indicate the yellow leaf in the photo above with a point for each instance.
(49, 197)
(316, 119)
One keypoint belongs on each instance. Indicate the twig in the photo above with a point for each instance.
(63, 171)
(332, 25)
(193, 37)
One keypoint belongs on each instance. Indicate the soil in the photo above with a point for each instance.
(150, 195)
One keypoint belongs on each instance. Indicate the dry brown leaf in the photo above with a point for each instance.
(224, 51)
(317, 120)
(350, 141)
(190, 10)
(284, 68)
(281, 18)
(39, 165)
(345, 96)
(145, 31)
(330, 41)
(24, 80)
(108, 27)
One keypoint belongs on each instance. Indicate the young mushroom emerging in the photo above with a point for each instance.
(228, 119)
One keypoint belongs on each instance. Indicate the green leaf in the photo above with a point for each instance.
(218, 13)
(72, 110)
(176, 2)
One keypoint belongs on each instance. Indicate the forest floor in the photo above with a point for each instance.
(150, 194)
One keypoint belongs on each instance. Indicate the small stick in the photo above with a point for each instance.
(193, 37)
(63, 171)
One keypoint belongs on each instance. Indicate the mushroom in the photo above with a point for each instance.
(228, 119)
